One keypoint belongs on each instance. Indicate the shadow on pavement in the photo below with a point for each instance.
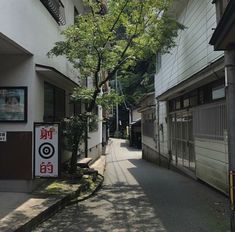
(120, 208)
(181, 203)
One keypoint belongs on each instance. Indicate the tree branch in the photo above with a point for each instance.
(120, 62)
(115, 22)
(98, 68)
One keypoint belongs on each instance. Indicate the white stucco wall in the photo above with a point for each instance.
(18, 71)
(96, 136)
(29, 24)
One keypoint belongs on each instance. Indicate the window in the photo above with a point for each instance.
(210, 121)
(56, 9)
(218, 92)
(206, 94)
(54, 103)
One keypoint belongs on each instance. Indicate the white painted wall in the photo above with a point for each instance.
(135, 115)
(18, 71)
(148, 141)
(212, 162)
(193, 52)
(163, 131)
(29, 24)
(191, 55)
(96, 136)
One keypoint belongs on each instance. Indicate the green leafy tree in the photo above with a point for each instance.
(138, 80)
(115, 37)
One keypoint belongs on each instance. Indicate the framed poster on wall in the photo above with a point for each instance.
(13, 104)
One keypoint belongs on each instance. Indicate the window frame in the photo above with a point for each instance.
(54, 116)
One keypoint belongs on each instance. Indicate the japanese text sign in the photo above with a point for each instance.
(46, 150)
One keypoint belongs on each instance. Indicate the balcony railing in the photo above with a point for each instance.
(56, 9)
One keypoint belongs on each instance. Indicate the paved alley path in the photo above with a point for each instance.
(140, 196)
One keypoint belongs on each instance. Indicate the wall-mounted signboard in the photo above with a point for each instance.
(46, 150)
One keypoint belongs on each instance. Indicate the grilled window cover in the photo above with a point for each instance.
(56, 9)
(209, 121)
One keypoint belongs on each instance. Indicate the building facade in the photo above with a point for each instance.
(41, 85)
(147, 108)
(190, 96)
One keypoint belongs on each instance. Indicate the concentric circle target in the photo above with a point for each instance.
(46, 150)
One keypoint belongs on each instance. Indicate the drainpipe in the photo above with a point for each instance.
(158, 131)
(230, 96)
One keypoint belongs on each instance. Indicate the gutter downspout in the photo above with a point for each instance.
(158, 133)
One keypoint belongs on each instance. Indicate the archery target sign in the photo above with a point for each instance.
(46, 150)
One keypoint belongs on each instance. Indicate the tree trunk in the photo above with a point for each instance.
(73, 161)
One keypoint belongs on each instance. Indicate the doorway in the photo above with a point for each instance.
(181, 139)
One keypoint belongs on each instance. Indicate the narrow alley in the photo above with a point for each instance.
(140, 196)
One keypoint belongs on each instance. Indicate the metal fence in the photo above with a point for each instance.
(209, 121)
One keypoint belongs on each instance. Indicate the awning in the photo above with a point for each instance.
(223, 37)
(211, 73)
(55, 76)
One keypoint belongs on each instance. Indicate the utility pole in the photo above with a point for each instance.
(117, 116)
(230, 104)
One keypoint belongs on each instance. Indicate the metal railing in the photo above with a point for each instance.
(209, 121)
(56, 9)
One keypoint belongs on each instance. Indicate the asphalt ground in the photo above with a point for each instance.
(140, 196)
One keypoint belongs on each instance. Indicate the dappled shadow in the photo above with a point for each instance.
(115, 208)
(140, 196)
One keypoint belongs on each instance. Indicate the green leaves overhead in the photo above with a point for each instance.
(128, 31)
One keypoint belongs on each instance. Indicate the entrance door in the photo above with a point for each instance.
(181, 139)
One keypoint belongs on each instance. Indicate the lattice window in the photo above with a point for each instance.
(56, 9)
(209, 121)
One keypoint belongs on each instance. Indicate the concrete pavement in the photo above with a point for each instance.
(140, 196)
(21, 211)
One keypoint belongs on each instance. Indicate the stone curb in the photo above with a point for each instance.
(57, 206)
(60, 204)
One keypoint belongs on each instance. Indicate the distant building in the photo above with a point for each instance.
(28, 30)
(147, 108)
(135, 128)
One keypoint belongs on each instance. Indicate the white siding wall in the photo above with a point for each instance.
(193, 52)
(148, 141)
(212, 162)
(191, 55)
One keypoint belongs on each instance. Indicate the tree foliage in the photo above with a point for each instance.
(109, 38)
(138, 80)
(129, 31)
